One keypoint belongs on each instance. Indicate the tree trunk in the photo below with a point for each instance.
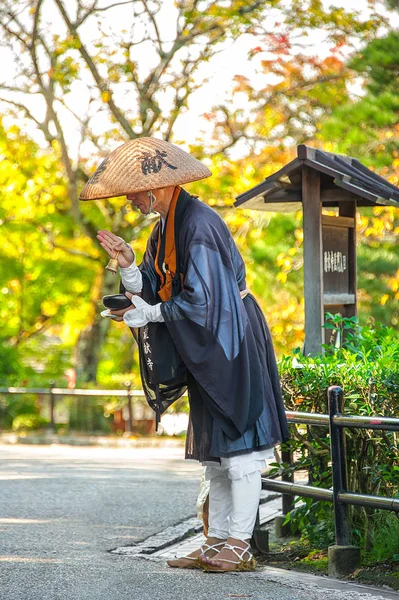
(91, 339)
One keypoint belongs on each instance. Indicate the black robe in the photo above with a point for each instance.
(223, 341)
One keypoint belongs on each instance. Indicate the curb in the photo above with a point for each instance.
(171, 536)
(168, 537)
(298, 579)
(92, 440)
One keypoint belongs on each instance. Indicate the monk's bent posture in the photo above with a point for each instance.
(199, 329)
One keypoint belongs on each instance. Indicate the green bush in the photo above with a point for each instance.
(13, 405)
(28, 421)
(364, 361)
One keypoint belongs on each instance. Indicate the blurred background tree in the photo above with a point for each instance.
(366, 125)
(136, 69)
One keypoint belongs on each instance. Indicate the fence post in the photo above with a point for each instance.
(343, 558)
(339, 468)
(129, 407)
(52, 406)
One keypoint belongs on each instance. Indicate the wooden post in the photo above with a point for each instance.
(129, 421)
(348, 209)
(313, 262)
(52, 406)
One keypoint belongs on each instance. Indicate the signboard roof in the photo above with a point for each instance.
(342, 179)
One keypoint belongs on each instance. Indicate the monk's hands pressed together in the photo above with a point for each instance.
(112, 244)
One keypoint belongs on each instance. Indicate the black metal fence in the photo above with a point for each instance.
(52, 394)
(337, 422)
(339, 494)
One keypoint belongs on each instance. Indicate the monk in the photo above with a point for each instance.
(199, 329)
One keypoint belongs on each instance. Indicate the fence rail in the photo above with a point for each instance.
(349, 421)
(127, 420)
(339, 494)
(336, 421)
(73, 392)
(54, 392)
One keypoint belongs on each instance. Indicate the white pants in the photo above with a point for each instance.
(234, 495)
(233, 505)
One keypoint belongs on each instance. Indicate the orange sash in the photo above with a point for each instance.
(169, 265)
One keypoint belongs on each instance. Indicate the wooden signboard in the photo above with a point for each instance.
(329, 261)
(323, 180)
(338, 271)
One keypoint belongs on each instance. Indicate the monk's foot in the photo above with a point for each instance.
(208, 550)
(235, 556)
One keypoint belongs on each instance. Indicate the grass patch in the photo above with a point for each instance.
(294, 554)
(317, 559)
(385, 546)
(379, 567)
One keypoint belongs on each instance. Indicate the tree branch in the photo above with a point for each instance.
(155, 25)
(244, 10)
(119, 116)
(94, 9)
(48, 95)
(301, 86)
(23, 108)
(50, 238)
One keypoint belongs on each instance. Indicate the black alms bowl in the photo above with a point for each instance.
(116, 302)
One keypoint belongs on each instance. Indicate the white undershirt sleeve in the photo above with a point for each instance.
(131, 277)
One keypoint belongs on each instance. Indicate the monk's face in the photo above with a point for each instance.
(161, 205)
(141, 201)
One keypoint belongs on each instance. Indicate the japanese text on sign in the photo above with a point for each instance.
(334, 262)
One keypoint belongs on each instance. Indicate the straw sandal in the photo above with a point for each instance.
(218, 566)
(195, 562)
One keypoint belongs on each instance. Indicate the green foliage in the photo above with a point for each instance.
(360, 129)
(51, 267)
(366, 126)
(314, 522)
(10, 367)
(364, 361)
(14, 405)
(385, 542)
(317, 561)
(89, 415)
(39, 267)
(47, 269)
(29, 421)
(380, 59)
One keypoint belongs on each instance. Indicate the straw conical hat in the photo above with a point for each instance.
(140, 165)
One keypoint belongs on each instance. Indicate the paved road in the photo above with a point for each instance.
(63, 508)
